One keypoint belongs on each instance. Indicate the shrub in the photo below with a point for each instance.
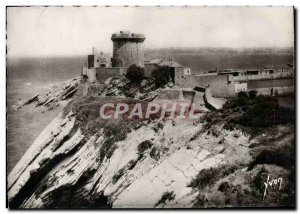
(129, 166)
(200, 201)
(118, 175)
(265, 112)
(207, 177)
(252, 94)
(113, 133)
(167, 196)
(135, 73)
(158, 126)
(145, 145)
(279, 155)
(154, 153)
(224, 187)
(229, 126)
(251, 111)
(162, 76)
(243, 98)
(117, 132)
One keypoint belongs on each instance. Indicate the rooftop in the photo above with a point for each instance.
(162, 62)
(127, 36)
(206, 74)
(279, 66)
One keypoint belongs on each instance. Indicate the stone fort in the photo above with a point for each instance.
(128, 49)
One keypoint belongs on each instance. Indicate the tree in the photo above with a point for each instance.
(135, 73)
(252, 94)
(162, 76)
(243, 98)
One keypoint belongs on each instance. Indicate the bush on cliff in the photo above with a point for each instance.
(243, 98)
(143, 146)
(167, 196)
(280, 155)
(264, 112)
(114, 131)
(135, 73)
(252, 94)
(209, 176)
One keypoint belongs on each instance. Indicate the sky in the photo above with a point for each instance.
(69, 31)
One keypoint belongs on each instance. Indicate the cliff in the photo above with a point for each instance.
(83, 161)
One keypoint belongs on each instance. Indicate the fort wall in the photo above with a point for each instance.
(183, 81)
(102, 74)
(220, 85)
(240, 86)
(284, 90)
(91, 74)
(247, 78)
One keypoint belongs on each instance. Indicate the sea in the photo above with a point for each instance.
(27, 76)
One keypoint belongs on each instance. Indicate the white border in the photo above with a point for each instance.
(4, 3)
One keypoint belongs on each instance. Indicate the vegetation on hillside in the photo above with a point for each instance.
(167, 196)
(271, 145)
(208, 177)
(251, 113)
(90, 123)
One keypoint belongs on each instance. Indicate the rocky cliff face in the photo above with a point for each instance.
(81, 161)
(64, 168)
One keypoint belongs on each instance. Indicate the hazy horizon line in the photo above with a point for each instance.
(211, 48)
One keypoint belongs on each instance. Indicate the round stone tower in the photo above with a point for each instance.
(128, 49)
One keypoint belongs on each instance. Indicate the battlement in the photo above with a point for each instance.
(126, 35)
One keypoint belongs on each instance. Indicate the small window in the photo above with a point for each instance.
(97, 60)
(125, 47)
